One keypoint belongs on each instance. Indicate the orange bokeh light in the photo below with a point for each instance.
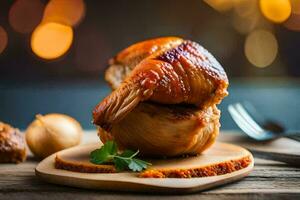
(51, 40)
(68, 12)
(220, 5)
(3, 39)
(276, 10)
(295, 6)
(25, 15)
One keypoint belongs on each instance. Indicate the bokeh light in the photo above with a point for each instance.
(25, 15)
(261, 48)
(245, 8)
(221, 5)
(295, 6)
(276, 10)
(68, 12)
(51, 40)
(246, 23)
(3, 39)
(247, 16)
(293, 23)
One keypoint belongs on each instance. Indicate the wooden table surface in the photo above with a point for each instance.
(269, 179)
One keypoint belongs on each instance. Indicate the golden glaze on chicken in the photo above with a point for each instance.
(165, 130)
(166, 71)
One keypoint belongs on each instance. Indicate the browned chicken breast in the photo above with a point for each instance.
(159, 130)
(165, 91)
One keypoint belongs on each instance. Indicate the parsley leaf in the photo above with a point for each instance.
(104, 154)
(109, 153)
(137, 165)
(127, 153)
(121, 164)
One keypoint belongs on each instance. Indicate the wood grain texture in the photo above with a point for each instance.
(269, 179)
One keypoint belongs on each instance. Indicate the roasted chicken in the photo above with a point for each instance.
(12, 144)
(164, 98)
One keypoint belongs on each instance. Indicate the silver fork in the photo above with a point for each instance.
(253, 125)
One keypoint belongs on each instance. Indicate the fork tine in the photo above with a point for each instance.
(241, 122)
(248, 118)
(252, 111)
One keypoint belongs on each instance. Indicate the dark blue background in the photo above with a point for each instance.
(71, 84)
(278, 99)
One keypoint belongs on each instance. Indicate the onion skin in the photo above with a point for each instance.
(51, 133)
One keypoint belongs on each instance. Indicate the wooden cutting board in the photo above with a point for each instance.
(130, 181)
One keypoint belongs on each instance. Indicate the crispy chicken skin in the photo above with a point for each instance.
(160, 130)
(164, 98)
(165, 70)
(12, 144)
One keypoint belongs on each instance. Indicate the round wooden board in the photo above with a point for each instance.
(129, 181)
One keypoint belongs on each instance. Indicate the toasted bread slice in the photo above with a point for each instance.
(221, 159)
(79, 162)
(214, 169)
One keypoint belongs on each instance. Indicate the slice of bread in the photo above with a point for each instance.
(201, 171)
(221, 159)
(82, 166)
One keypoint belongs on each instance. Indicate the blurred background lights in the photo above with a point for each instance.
(295, 6)
(246, 23)
(25, 15)
(293, 23)
(52, 27)
(261, 48)
(220, 5)
(3, 39)
(68, 12)
(254, 18)
(51, 40)
(245, 7)
(276, 10)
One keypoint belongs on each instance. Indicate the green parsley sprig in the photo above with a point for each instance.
(108, 153)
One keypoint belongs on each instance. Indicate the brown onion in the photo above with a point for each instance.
(51, 133)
